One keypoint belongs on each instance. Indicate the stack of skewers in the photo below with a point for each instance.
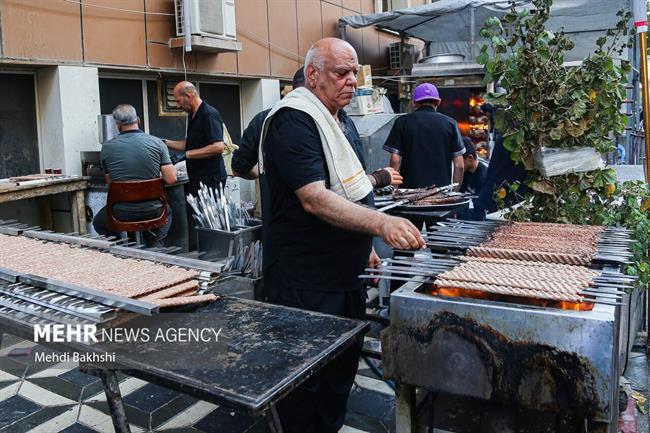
(214, 209)
(247, 261)
(542, 263)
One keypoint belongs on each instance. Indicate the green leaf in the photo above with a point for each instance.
(485, 33)
(498, 41)
(488, 78)
(482, 58)
(509, 142)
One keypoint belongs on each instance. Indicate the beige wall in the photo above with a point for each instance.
(275, 35)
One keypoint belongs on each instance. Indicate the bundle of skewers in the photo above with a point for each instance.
(247, 261)
(555, 243)
(510, 279)
(429, 196)
(421, 197)
(543, 262)
(215, 209)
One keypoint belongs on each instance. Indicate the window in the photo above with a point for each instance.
(19, 153)
(391, 5)
(116, 91)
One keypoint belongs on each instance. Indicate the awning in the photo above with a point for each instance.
(450, 26)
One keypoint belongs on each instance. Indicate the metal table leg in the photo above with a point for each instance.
(405, 408)
(114, 400)
(273, 420)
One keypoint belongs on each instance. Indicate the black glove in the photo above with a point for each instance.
(382, 178)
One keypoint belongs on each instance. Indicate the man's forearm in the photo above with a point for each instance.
(459, 173)
(176, 144)
(342, 213)
(209, 151)
(395, 161)
(252, 174)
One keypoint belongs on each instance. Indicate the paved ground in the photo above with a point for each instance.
(638, 367)
(46, 398)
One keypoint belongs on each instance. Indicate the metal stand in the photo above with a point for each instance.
(405, 408)
(114, 400)
(273, 420)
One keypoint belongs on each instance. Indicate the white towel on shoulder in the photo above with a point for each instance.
(346, 175)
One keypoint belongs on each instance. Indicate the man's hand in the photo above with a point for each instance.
(400, 233)
(339, 212)
(396, 178)
(384, 177)
(373, 262)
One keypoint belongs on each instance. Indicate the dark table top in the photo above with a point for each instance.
(264, 351)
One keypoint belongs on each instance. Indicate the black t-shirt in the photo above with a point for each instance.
(473, 182)
(204, 128)
(301, 251)
(427, 141)
(245, 158)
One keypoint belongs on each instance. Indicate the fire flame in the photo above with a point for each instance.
(455, 292)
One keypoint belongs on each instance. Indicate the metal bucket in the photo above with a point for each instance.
(219, 244)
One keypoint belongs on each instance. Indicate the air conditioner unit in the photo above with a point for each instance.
(401, 55)
(213, 18)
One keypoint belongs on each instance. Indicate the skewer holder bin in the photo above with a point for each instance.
(219, 244)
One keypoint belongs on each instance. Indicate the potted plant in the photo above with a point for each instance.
(550, 107)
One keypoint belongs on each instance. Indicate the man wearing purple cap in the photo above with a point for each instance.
(424, 143)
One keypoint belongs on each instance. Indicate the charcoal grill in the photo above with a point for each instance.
(520, 352)
(529, 357)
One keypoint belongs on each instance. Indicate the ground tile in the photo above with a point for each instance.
(14, 409)
(134, 415)
(370, 403)
(77, 377)
(225, 420)
(78, 428)
(11, 366)
(169, 410)
(150, 397)
(92, 390)
(37, 418)
(58, 386)
(365, 423)
(636, 373)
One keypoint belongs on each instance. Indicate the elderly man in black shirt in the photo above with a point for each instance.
(203, 144)
(319, 233)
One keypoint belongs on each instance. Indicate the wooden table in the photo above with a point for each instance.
(76, 186)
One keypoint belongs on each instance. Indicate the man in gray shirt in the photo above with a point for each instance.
(134, 155)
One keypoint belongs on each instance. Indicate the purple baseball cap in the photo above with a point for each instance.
(425, 91)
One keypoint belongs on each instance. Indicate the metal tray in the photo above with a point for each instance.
(435, 207)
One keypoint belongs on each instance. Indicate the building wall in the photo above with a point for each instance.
(275, 35)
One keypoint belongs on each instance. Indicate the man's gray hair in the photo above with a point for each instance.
(315, 58)
(124, 114)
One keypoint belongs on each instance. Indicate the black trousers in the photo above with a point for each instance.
(319, 404)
